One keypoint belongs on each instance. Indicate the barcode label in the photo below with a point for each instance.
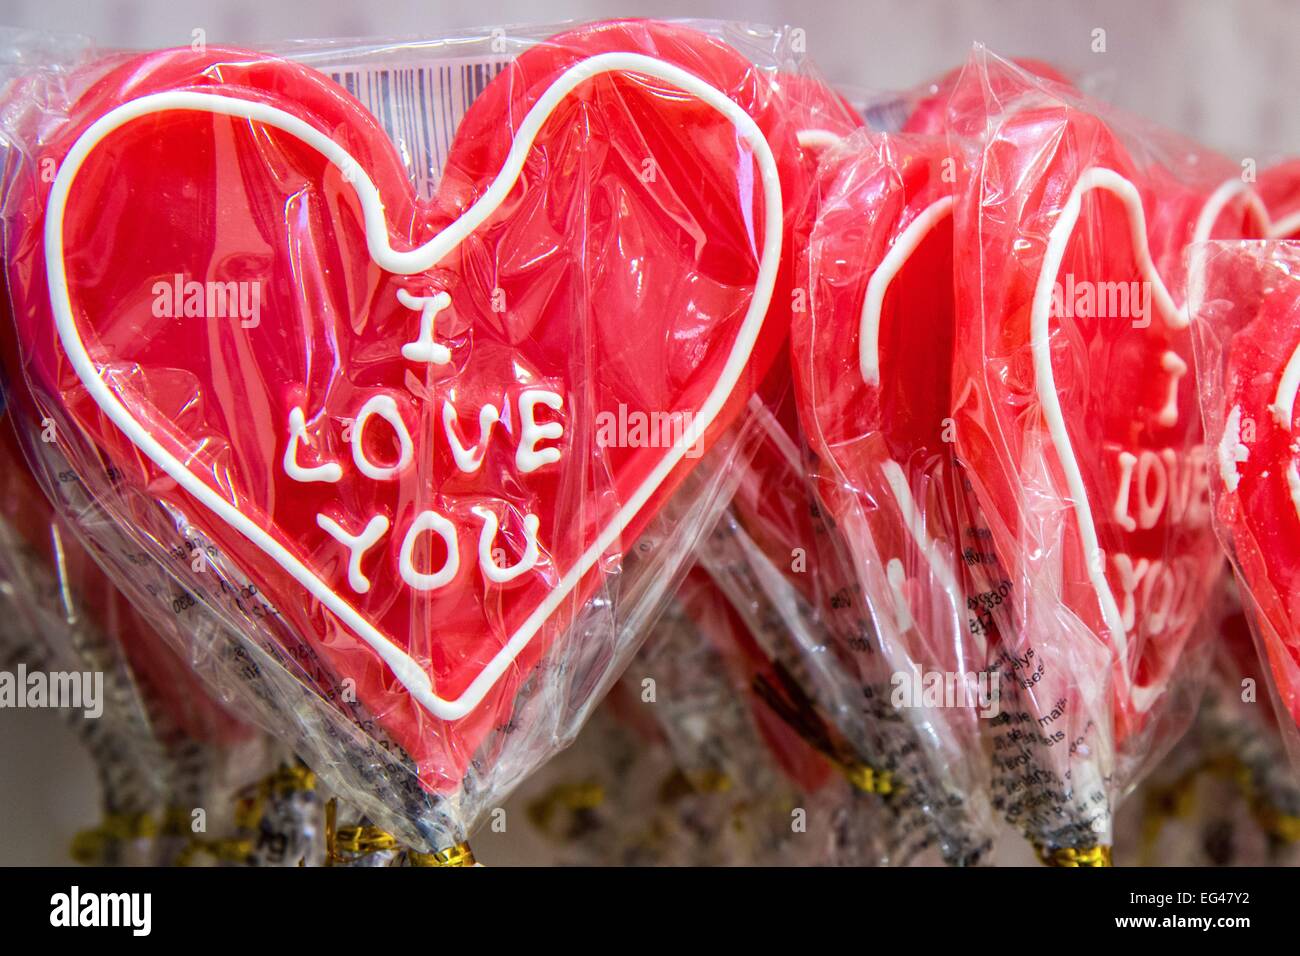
(420, 107)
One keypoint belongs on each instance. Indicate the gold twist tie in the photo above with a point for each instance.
(287, 780)
(249, 810)
(223, 851)
(1176, 801)
(1071, 856)
(89, 846)
(176, 821)
(363, 840)
(579, 796)
(1281, 826)
(867, 779)
(784, 696)
(458, 855)
(573, 797)
(681, 783)
(709, 781)
(291, 779)
(1229, 767)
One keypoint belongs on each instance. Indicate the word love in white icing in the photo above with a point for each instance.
(534, 451)
(1161, 485)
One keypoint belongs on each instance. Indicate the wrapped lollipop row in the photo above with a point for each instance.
(872, 477)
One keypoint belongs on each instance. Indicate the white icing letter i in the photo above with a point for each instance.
(424, 348)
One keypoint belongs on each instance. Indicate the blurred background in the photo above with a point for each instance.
(1222, 72)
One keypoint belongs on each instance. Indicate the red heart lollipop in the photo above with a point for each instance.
(1113, 425)
(1076, 418)
(873, 357)
(395, 437)
(1248, 353)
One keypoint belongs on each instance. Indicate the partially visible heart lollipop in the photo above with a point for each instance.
(1248, 355)
(1076, 419)
(873, 358)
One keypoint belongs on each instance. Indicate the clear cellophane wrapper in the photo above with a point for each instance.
(687, 764)
(782, 559)
(1075, 419)
(1247, 325)
(1226, 795)
(786, 803)
(127, 758)
(624, 273)
(873, 350)
(161, 747)
(872, 357)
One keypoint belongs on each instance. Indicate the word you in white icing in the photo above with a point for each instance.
(1157, 596)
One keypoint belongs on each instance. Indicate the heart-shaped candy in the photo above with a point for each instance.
(1248, 354)
(1075, 410)
(873, 358)
(413, 426)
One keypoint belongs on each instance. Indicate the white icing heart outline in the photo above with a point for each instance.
(882, 277)
(1097, 177)
(405, 669)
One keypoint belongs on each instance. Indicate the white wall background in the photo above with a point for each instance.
(1224, 71)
